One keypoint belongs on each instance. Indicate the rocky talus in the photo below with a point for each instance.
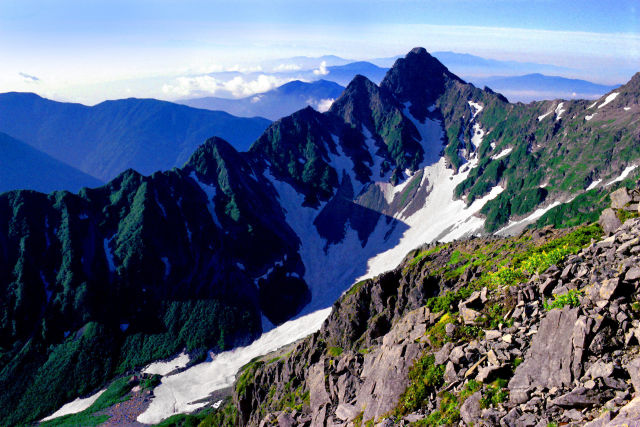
(534, 330)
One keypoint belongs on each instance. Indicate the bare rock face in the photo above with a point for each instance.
(555, 356)
(609, 221)
(385, 371)
(470, 411)
(629, 415)
(318, 395)
(620, 198)
(634, 372)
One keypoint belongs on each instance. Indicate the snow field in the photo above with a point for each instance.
(178, 393)
(74, 407)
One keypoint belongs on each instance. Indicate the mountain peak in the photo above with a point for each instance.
(633, 84)
(418, 78)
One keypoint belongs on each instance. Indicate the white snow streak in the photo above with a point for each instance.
(544, 115)
(476, 108)
(74, 407)
(432, 135)
(623, 175)
(589, 117)
(502, 154)
(559, 111)
(592, 105)
(593, 185)
(608, 99)
(478, 134)
(163, 368)
(344, 258)
(627, 108)
(514, 227)
(210, 191)
(177, 393)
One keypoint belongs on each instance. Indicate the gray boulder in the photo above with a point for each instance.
(620, 198)
(633, 368)
(555, 356)
(470, 410)
(609, 221)
(629, 415)
(579, 397)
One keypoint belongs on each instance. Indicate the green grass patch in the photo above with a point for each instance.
(495, 393)
(355, 288)
(424, 377)
(571, 298)
(150, 383)
(335, 351)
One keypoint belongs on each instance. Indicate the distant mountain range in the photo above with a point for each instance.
(24, 167)
(343, 74)
(537, 87)
(106, 139)
(275, 103)
(468, 65)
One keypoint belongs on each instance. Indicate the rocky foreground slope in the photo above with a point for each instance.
(536, 329)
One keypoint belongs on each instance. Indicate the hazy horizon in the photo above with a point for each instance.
(92, 51)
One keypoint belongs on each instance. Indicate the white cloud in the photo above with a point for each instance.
(323, 105)
(286, 67)
(322, 70)
(238, 86)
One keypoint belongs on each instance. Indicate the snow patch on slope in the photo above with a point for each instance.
(544, 115)
(179, 393)
(476, 108)
(478, 135)
(623, 175)
(432, 135)
(74, 407)
(210, 192)
(163, 368)
(514, 227)
(442, 218)
(593, 185)
(589, 117)
(344, 258)
(608, 99)
(502, 154)
(559, 111)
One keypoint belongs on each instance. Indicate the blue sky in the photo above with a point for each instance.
(68, 48)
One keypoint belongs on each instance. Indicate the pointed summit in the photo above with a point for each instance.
(418, 78)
